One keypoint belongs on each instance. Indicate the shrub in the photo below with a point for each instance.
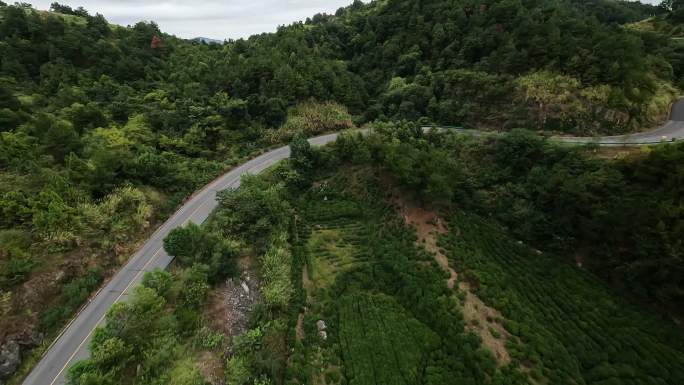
(73, 295)
(185, 243)
(252, 212)
(208, 339)
(195, 286)
(15, 271)
(312, 118)
(159, 280)
(237, 371)
(276, 266)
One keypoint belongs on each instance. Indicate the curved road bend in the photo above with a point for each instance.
(72, 344)
(672, 129)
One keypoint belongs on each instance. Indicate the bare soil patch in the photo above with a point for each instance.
(485, 321)
(614, 153)
(211, 366)
(481, 319)
(429, 226)
(299, 331)
(227, 311)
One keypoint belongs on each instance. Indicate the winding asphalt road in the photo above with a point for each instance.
(72, 344)
(672, 129)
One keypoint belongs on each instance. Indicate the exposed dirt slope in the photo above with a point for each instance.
(481, 319)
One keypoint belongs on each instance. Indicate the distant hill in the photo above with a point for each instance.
(207, 40)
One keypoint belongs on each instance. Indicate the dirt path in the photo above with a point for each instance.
(299, 331)
(307, 284)
(480, 318)
(300, 327)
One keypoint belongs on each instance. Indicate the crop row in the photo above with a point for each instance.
(568, 321)
(381, 343)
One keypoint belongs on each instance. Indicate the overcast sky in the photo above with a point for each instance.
(214, 19)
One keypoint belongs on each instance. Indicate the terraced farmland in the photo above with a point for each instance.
(331, 234)
(572, 328)
(390, 318)
(381, 343)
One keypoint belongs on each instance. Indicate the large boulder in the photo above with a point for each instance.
(10, 359)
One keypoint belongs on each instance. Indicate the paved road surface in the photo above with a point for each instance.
(672, 129)
(72, 344)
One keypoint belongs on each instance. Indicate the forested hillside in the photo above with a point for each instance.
(554, 65)
(668, 23)
(106, 129)
(372, 274)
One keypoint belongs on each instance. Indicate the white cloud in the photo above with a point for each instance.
(210, 18)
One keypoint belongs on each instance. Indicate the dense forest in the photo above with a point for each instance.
(567, 66)
(106, 129)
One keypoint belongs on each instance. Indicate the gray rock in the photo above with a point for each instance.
(320, 324)
(10, 358)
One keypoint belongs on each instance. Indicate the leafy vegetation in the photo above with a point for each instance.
(619, 217)
(85, 167)
(567, 326)
(466, 62)
(381, 344)
(380, 286)
(349, 297)
(158, 334)
(105, 129)
(72, 296)
(572, 329)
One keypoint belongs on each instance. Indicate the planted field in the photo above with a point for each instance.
(390, 317)
(573, 330)
(329, 253)
(331, 235)
(381, 343)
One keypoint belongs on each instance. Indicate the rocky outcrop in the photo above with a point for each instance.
(229, 305)
(240, 295)
(10, 359)
(11, 351)
(322, 329)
